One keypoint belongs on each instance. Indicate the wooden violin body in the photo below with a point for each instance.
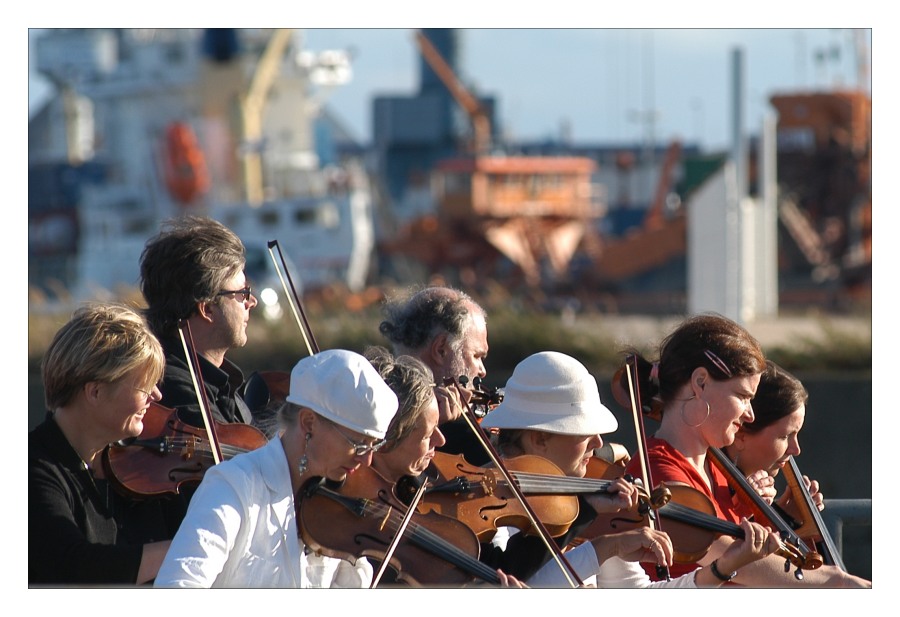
(806, 558)
(608, 462)
(170, 454)
(481, 498)
(812, 528)
(360, 517)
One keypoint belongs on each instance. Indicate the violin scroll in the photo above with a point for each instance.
(482, 401)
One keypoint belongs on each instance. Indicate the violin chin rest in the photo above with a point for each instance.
(407, 487)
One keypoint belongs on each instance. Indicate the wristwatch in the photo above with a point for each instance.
(725, 578)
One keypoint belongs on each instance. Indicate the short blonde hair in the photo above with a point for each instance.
(103, 343)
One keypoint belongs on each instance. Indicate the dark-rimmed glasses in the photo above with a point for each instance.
(359, 449)
(246, 291)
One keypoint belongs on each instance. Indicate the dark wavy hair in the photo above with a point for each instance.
(187, 263)
(779, 394)
(723, 347)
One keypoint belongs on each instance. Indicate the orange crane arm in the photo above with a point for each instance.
(655, 214)
(480, 122)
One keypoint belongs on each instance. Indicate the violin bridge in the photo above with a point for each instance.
(189, 449)
(489, 484)
(387, 516)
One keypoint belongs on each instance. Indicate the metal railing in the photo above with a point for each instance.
(841, 512)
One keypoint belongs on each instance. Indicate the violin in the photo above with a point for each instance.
(691, 524)
(531, 522)
(170, 454)
(765, 514)
(481, 498)
(359, 518)
(483, 400)
(263, 389)
(812, 526)
(608, 462)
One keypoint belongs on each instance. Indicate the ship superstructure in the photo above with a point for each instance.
(151, 124)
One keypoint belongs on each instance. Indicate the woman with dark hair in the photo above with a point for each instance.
(701, 390)
(762, 448)
(552, 409)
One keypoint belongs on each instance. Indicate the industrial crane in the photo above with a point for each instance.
(251, 104)
(481, 124)
(525, 208)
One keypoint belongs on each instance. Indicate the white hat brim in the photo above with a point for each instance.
(578, 418)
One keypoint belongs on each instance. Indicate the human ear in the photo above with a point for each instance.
(698, 380)
(92, 390)
(203, 311)
(439, 350)
(307, 419)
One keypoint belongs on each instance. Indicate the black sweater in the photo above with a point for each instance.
(73, 532)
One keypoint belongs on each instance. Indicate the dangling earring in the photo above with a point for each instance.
(701, 421)
(303, 465)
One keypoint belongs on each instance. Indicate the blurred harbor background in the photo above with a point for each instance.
(588, 199)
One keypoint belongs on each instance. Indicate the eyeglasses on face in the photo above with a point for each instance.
(148, 392)
(245, 292)
(359, 449)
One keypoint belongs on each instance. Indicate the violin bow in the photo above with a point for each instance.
(296, 306)
(193, 363)
(571, 575)
(792, 545)
(812, 524)
(411, 509)
(634, 394)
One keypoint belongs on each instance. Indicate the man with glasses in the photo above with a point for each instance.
(193, 270)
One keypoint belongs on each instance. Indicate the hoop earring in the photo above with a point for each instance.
(303, 465)
(701, 421)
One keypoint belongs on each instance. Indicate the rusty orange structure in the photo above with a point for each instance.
(533, 210)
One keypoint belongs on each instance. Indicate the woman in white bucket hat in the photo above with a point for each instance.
(241, 527)
(552, 408)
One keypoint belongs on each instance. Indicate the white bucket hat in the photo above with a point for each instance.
(550, 391)
(345, 388)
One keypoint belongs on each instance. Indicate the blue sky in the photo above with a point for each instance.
(603, 82)
(607, 85)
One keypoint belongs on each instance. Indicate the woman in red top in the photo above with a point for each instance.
(701, 390)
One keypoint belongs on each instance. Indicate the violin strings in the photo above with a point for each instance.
(544, 483)
(195, 445)
(427, 539)
(685, 514)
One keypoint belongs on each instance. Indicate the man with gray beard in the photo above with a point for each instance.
(447, 330)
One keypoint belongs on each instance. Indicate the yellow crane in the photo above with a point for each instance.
(251, 103)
